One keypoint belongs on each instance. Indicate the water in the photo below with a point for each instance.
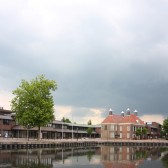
(92, 157)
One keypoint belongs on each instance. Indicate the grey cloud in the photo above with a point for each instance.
(100, 58)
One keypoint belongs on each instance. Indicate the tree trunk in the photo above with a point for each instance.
(27, 134)
(39, 133)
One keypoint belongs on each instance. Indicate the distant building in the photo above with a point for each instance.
(121, 126)
(6, 123)
(154, 130)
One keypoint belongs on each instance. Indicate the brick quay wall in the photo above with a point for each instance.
(20, 143)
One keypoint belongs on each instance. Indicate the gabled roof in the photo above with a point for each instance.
(123, 119)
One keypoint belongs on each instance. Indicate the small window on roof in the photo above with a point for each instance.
(137, 121)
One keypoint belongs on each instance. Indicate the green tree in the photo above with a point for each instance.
(165, 126)
(144, 132)
(163, 133)
(89, 131)
(138, 132)
(89, 122)
(33, 102)
(66, 120)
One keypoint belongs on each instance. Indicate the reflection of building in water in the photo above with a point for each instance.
(119, 157)
(43, 157)
(32, 157)
(5, 159)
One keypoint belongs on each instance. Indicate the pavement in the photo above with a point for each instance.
(24, 140)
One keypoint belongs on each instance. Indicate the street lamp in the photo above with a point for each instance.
(77, 133)
(72, 127)
(62, 130)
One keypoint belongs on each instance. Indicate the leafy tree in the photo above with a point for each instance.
(138, 132)
(33, 102)
(163, 133)
(141, 132)
(165, 126)
(89, 122)
(89, 131)
(66, 120)
(144, 132)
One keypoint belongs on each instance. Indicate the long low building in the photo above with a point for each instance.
(55, 130)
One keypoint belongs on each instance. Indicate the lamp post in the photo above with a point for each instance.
(62, 131)
(77, 133)
(72, 127)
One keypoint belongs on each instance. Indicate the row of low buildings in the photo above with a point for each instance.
(121, 126)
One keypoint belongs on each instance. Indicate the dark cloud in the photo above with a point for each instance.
(102, 54)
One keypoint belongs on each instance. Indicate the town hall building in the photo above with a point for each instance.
(121, 126)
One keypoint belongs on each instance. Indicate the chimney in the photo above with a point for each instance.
(135, 112)
(128, 111)
(110, 112)
(122, 113)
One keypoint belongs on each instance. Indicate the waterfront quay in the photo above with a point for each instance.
(21, 143)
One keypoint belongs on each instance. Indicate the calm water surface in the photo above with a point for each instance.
(92, 157)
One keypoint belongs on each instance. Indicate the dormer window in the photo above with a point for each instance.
(137, 121)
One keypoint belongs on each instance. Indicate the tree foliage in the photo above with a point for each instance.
(141, 132)
(66, 120)
(165, 125)
(138, 132)
(144, 131)
(89, 131)
(33, 102)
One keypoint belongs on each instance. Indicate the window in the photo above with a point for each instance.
(128, 135)
(112, 135)
(112, 157)
(6, 122)
(128, 128)
(111, 149)
(120, 128)
(120, 135)
(105, 127)
(112, 127)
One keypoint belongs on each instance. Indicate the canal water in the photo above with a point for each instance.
(91, 157)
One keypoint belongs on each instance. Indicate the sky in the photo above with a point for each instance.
(102, 53)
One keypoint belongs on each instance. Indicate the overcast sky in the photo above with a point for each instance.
(102, 54)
